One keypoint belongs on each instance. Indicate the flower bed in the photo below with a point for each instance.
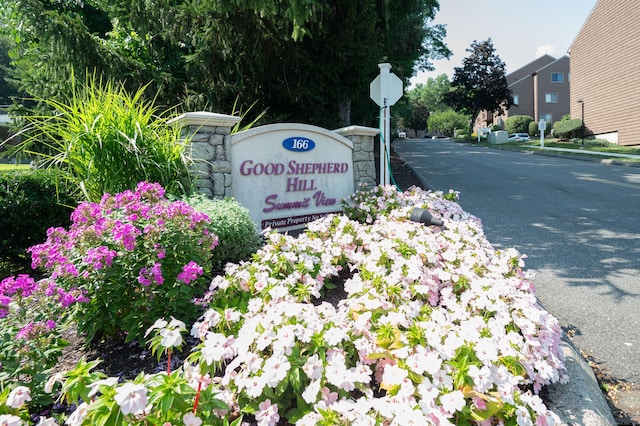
(432, 326)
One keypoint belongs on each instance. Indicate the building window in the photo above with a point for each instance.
(557, 77)
(516, 100)
(551, 98)
(546, 117)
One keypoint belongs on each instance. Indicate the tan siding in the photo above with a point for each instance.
(545, 85)
(605, 70)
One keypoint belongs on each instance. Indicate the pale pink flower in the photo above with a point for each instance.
(453, 401)
(393, 376)
(10, 420)
(131, 398)
(77, 417)
(313, 367)
(267, 414)
(46, 421)
(191, 419)
(18, 396)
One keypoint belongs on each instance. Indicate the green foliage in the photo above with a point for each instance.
(231, 222)
(480, 83)
(518, 124)
(31, 201)
(302, 59)
(446, 122)
(108, 140)
(7, 90)
(567, 129)
(431, 94)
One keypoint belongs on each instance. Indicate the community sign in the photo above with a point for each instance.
(288, 175)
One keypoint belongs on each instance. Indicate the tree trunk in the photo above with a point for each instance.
(345, 112)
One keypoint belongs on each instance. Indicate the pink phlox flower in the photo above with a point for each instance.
(190, 272)
(98, 257)
(22, 285)
(267, 414)
(151, 275)
(75, 295)
(152, 191)
(125, 234)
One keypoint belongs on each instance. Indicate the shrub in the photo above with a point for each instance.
(518, 124)
(446, 122)
(231, 222)
(109, 140)
(31, 201)
(567, 129)
(138, 257)
(533, 128)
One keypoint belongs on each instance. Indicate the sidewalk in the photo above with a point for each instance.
(606, 157)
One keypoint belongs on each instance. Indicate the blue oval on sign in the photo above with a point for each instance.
(298, 144)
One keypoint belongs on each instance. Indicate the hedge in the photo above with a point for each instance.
(31, 201)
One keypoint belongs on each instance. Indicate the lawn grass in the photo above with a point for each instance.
(5, 167)
(593, 145)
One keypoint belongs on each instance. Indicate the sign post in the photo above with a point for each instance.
(542, 126)
(385, 90)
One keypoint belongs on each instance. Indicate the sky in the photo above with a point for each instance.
(521, 30)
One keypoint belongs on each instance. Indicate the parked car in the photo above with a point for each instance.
(402, 134)
(516, 137)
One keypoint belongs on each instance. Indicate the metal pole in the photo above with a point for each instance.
(582, 105)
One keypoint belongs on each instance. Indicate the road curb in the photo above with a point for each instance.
(580, 401)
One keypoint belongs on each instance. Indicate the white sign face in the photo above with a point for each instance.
(542, 125)
(393, 92)
(288, 175)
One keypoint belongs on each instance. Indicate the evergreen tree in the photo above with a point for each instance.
(304, 60)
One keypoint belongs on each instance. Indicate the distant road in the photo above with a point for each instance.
(579, 224)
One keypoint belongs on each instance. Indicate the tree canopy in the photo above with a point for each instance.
(303, 60)
(480, 83)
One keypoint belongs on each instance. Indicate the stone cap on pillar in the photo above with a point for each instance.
(205, 118)
(357, 131)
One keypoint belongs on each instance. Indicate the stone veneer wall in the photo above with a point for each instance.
(210, 147)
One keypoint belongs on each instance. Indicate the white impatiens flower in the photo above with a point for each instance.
(191, 419)
(393, 376)
(95, 386)
(47, 421)
(10, 420)
(452, 401)
(56, 378)
(159, 324)
(131, 398)
(77, 417)
(18, 396)
(170, 338)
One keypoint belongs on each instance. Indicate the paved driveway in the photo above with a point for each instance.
(579, 224)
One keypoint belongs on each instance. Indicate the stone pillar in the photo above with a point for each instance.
(364, 165)
(209, 139)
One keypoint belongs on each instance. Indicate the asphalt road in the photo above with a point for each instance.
(577, 221)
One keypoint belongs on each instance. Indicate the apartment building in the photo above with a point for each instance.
(540, 90)
(605, 72)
